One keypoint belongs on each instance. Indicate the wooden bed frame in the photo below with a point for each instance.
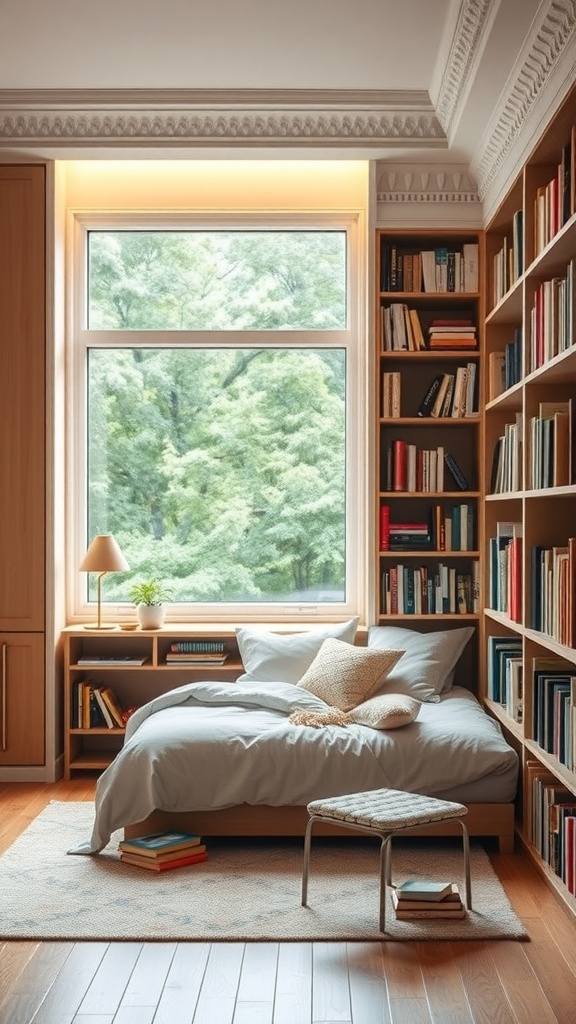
(489, 820)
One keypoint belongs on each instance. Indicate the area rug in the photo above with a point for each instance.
(247, 890)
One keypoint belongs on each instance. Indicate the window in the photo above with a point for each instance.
(215, 392)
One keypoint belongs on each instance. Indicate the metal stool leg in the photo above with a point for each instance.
(305, 866)
(385, 876)
(466, 845)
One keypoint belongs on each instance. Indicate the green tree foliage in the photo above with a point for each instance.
(220, 470)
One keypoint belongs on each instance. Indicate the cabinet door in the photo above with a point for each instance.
(22, 397)
(22, 698)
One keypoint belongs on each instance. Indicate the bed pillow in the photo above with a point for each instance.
(429, 659)
(345, 676)
(386, 711)
(284, 658)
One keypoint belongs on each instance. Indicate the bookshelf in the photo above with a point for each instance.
(141, 672)
(429, 323)
(528, 633)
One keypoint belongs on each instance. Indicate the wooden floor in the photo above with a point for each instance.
(294, 982)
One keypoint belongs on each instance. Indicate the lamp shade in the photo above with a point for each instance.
(104, 555)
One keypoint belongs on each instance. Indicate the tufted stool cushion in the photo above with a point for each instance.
(386, 809)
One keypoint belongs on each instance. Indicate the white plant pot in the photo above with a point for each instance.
(151, 616)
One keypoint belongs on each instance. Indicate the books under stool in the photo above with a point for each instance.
(416, 900)
(163, 851)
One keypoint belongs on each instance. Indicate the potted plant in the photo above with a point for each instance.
(149, 597)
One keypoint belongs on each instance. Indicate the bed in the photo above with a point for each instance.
(217, 758)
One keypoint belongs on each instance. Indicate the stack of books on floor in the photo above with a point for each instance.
(419, 900)
(163, 851)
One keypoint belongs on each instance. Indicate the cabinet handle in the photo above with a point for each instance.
(3, 698)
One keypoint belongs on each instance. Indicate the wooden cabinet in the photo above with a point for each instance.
(429, 325)
(22, 466)
(92, 745)
(529, 642)
(22, 398)
(22, 699)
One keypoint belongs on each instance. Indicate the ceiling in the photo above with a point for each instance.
(379, 79)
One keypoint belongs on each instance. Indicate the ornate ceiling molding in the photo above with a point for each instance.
(555, 33)
(219, 118)
(417, 183)
(470, 28)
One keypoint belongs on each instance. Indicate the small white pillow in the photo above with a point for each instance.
(386, 711)
(429, 658)
(345, 676)
(284, 658)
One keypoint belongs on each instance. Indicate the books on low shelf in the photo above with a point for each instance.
(163, 851)
(422, 900)
(196, 659)
(197, 652)
(95, 706)
(123, 660)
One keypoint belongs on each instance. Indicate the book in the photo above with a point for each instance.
(196, 659)
(170, 855)
(110, 722)
(422, 915)
(439, 400)
(154, 843)
(170, 865)
(94, 660)
(384, 527)
(457, 474)
(113, 705)
(419, 889)
(197, 646)
(427, 403)
(451, 901)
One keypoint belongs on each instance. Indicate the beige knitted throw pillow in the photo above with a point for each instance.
(344, 676)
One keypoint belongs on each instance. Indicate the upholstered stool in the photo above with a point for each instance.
(385, 813)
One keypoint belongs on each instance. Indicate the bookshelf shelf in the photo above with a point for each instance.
(538, 311)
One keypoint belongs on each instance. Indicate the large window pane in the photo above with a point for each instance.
(221, 471)
(217, 280)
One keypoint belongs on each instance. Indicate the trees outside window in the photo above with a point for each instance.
(217, 368)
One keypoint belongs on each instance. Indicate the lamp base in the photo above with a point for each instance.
(94, 625)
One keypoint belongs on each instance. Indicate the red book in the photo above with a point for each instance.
(570, 853)
(153, 865)
(384, 527)
(399, 467)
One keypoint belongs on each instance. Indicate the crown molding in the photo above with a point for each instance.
(537, 66)
(418, 183)
(189, 118)
(473, 18)
(426, 194)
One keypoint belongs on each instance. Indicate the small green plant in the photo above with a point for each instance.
(149, 592)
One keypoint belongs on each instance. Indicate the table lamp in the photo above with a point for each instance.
(103, 556)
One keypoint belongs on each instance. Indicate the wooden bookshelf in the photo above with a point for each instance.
(537, 304)
(415, 484)
(92, 748)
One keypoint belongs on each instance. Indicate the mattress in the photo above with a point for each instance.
(208, 746)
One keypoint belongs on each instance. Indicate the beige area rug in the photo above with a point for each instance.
(247, 890)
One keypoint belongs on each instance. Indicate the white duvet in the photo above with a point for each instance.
(206, 746)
